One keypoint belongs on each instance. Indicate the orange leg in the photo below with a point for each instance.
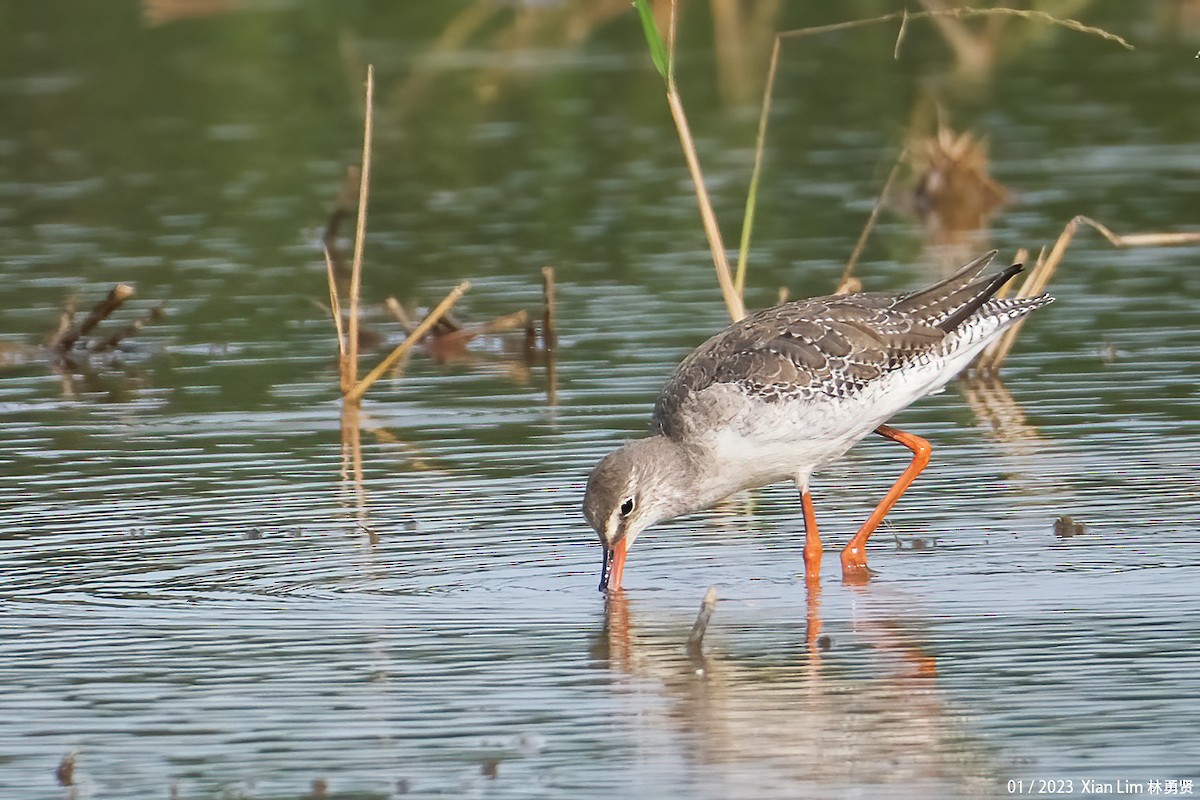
(812, 541)
(854, 557)
(812, 629)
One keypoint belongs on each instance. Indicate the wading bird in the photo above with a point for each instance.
(785, 392)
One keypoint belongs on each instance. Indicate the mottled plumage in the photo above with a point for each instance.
(789, 389)
(836, 345)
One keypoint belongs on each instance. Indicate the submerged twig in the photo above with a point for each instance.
(65, 774)
(67, 338)
(695, 642)
(1065, 527)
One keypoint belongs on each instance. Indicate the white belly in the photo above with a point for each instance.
(757, 442)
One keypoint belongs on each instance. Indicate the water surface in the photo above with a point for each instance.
(195, 598)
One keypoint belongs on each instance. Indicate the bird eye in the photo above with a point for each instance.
(627, 507)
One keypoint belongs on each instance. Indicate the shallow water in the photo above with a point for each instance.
(195, 599)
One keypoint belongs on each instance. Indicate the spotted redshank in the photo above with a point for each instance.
(785, 392)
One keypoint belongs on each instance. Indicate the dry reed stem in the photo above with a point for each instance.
(845, 283)
(352, 460)
(695, 640)
(399, 314)
(508, 322)
(360, 233)
(1039, 277)
(900, 36)
(116, 296)
(733, 300)
(1020, 257)
(354, 396)
(335, 305)
(1137, 239)
(961, 13)
(549, 338)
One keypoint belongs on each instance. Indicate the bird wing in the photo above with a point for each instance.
(832, 345)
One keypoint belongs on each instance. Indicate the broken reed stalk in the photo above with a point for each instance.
(360, 233)
(664, 62)
(65, 320)
(65, 340)
(548, 336)
(343, 206)
(994, 356)
(354, 396)
(695, 642)
(845, 285)
(335, 304)
(399, 314)
(733, 302)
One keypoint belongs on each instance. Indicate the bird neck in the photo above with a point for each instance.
(682, 482)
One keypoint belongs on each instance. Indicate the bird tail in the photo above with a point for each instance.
(971, 298)
(949, 304)
(936, 294)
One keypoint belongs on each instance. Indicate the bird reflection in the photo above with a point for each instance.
(804, 721)
(1000, 415)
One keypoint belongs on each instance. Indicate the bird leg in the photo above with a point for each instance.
(854, 557)
(812, 541)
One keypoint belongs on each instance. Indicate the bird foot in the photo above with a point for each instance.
(856, 572)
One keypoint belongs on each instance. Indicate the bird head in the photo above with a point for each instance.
(638, 484)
